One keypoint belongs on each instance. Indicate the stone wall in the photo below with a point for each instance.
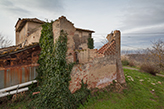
(99, 68)
(20, 36)
(33, 27)
(81, 37)
(87, 55)
(63, 24)
(27, 31)
(98, 73)
(34, 37)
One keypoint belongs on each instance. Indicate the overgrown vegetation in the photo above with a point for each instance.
(90, 43)
(17, 101)
(46, 57)
(144, 91)
(125, 62)
(53, 78)
(54, 74)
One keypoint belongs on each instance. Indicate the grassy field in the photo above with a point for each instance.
(144, 91)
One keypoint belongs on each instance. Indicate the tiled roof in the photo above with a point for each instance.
(13, 49)
(7, 49)
(108, 48)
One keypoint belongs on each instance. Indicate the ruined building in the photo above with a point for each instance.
(98, 68)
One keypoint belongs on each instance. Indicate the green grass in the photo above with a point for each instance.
(132, 67)
(162, 72)
(138, 95)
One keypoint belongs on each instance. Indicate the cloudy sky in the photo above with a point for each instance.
(140, 21)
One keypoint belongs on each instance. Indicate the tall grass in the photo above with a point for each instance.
(144, 91)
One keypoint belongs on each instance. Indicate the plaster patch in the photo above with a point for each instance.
(105, 80)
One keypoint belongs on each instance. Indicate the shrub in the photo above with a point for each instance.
(131, 64)
(148, 68)
(125, 62)
(90, 43)
(82, 94)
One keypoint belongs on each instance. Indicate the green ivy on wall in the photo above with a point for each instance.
(46, 44)
(54, 74)
(90, 43)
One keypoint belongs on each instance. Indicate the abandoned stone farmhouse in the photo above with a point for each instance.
(97, 68)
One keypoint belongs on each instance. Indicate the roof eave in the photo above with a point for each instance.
(79, 29)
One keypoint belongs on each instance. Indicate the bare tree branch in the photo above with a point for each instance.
(4, 42)
(157, 53)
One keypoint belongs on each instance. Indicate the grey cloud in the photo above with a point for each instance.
(139, 41)
(143, 13)
(6, 3)
(18, 11)
(48, 5)
(25, 8)
(51, 5)
(9, 7)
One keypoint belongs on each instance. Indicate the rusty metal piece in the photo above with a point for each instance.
(18, 74)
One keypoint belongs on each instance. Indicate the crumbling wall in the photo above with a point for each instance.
(21, 35)
(80, 38)
(34, 37)
(99, 68)
(30, 33)
(63, 24)
(33, 27)
(87, 55)
(98, 73)
(120, 73)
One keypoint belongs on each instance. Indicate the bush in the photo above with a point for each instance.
(131, 64)
(125, 62)
(148, 68)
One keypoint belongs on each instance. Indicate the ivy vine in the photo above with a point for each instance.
(46, 44)
(54, 74)
(90, 43)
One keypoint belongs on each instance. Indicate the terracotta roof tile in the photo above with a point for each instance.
(108, 48)
(12, 49)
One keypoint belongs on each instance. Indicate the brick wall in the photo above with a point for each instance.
(63, 24)
(98, 73)
(87, 55)
(99, 68)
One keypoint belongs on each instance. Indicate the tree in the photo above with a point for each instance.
(157, 54)
(4, 42)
